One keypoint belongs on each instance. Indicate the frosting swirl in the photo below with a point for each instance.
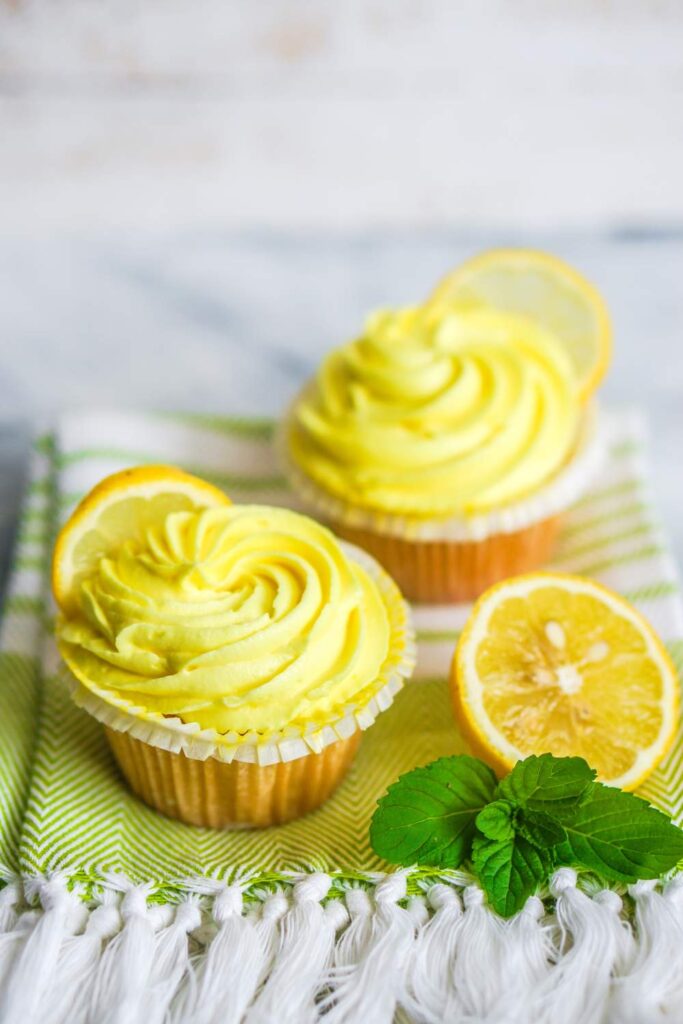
(236, 618)
(437, 410)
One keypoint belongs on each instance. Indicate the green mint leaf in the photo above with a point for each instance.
(496, 821)
(427, 816)
(540, 829)
(509, 872)
(620, 836)
(554, 785)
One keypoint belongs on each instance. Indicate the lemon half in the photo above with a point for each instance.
(555, 663)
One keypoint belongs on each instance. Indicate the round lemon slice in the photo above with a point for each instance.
(547, 290)
(118, 509)
(555, 663)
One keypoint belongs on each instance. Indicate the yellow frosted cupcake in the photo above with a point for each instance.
(449, 437)
(234, 653)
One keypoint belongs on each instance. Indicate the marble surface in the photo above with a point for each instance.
(232, 323)
(366, 112)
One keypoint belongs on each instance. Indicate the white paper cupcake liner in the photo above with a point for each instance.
(282, 745)
(558, 494)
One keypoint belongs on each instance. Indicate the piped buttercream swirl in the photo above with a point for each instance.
(236, 618)
(438, 411)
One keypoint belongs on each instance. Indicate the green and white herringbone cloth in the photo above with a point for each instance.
(62, 801)
(136, 919)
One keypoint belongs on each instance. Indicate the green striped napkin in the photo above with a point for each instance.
(137, 919)
(62, 802)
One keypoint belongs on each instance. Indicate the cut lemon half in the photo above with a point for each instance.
(550, 292)
(120, 508)
(559, 664)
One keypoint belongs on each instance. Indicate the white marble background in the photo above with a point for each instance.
(295, 113)
(196, 199)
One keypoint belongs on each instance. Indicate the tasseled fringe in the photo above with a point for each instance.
(651, 986)
(124, 971)
(76, 974)
(354, 940)
(429, 994)
(527, 955)
(11, 944)
(10, 898)
(267, 923)
(171, 963)
(227, 976)
(369, 987)
(308, 950)
(306, 942)
(31, 974)
(476, 969)
(590, 952)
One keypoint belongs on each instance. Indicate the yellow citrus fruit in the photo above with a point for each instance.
(556, 663)
(121, 508)
(549, 291)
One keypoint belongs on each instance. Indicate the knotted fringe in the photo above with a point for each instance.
(429, 994)
(306, 941)
(267, 923)
(309, 951)
(12, 943)
(10, 898)
(477, 966)
(527, 954)
(353, 941)
(171, 963)
(125, 968)
(76, 974)
(651, 988)
(227, 977)
(14, 929)
(32, 972)
(592, 947)
(366, 982)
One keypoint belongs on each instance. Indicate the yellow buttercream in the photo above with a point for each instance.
(237, 618)
(438, 411)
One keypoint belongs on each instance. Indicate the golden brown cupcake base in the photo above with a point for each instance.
(237, 795)
(444, 572)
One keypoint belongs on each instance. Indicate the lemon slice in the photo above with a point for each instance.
(559, 664)
(121, 508)
(547, 290)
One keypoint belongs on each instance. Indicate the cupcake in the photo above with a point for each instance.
(234, 653)
(448, 438)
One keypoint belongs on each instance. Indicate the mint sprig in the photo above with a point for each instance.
(621, 836)
(509, 871)
(550, 784)
(427, 817)
(549, 811)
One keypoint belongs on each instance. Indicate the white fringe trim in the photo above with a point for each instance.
(312, 948)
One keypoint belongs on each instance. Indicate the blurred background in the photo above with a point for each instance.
(197, 199)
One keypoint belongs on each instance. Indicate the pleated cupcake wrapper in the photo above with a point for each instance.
(568, 485)
(213, 794)
(450, 572)
(288, 744)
